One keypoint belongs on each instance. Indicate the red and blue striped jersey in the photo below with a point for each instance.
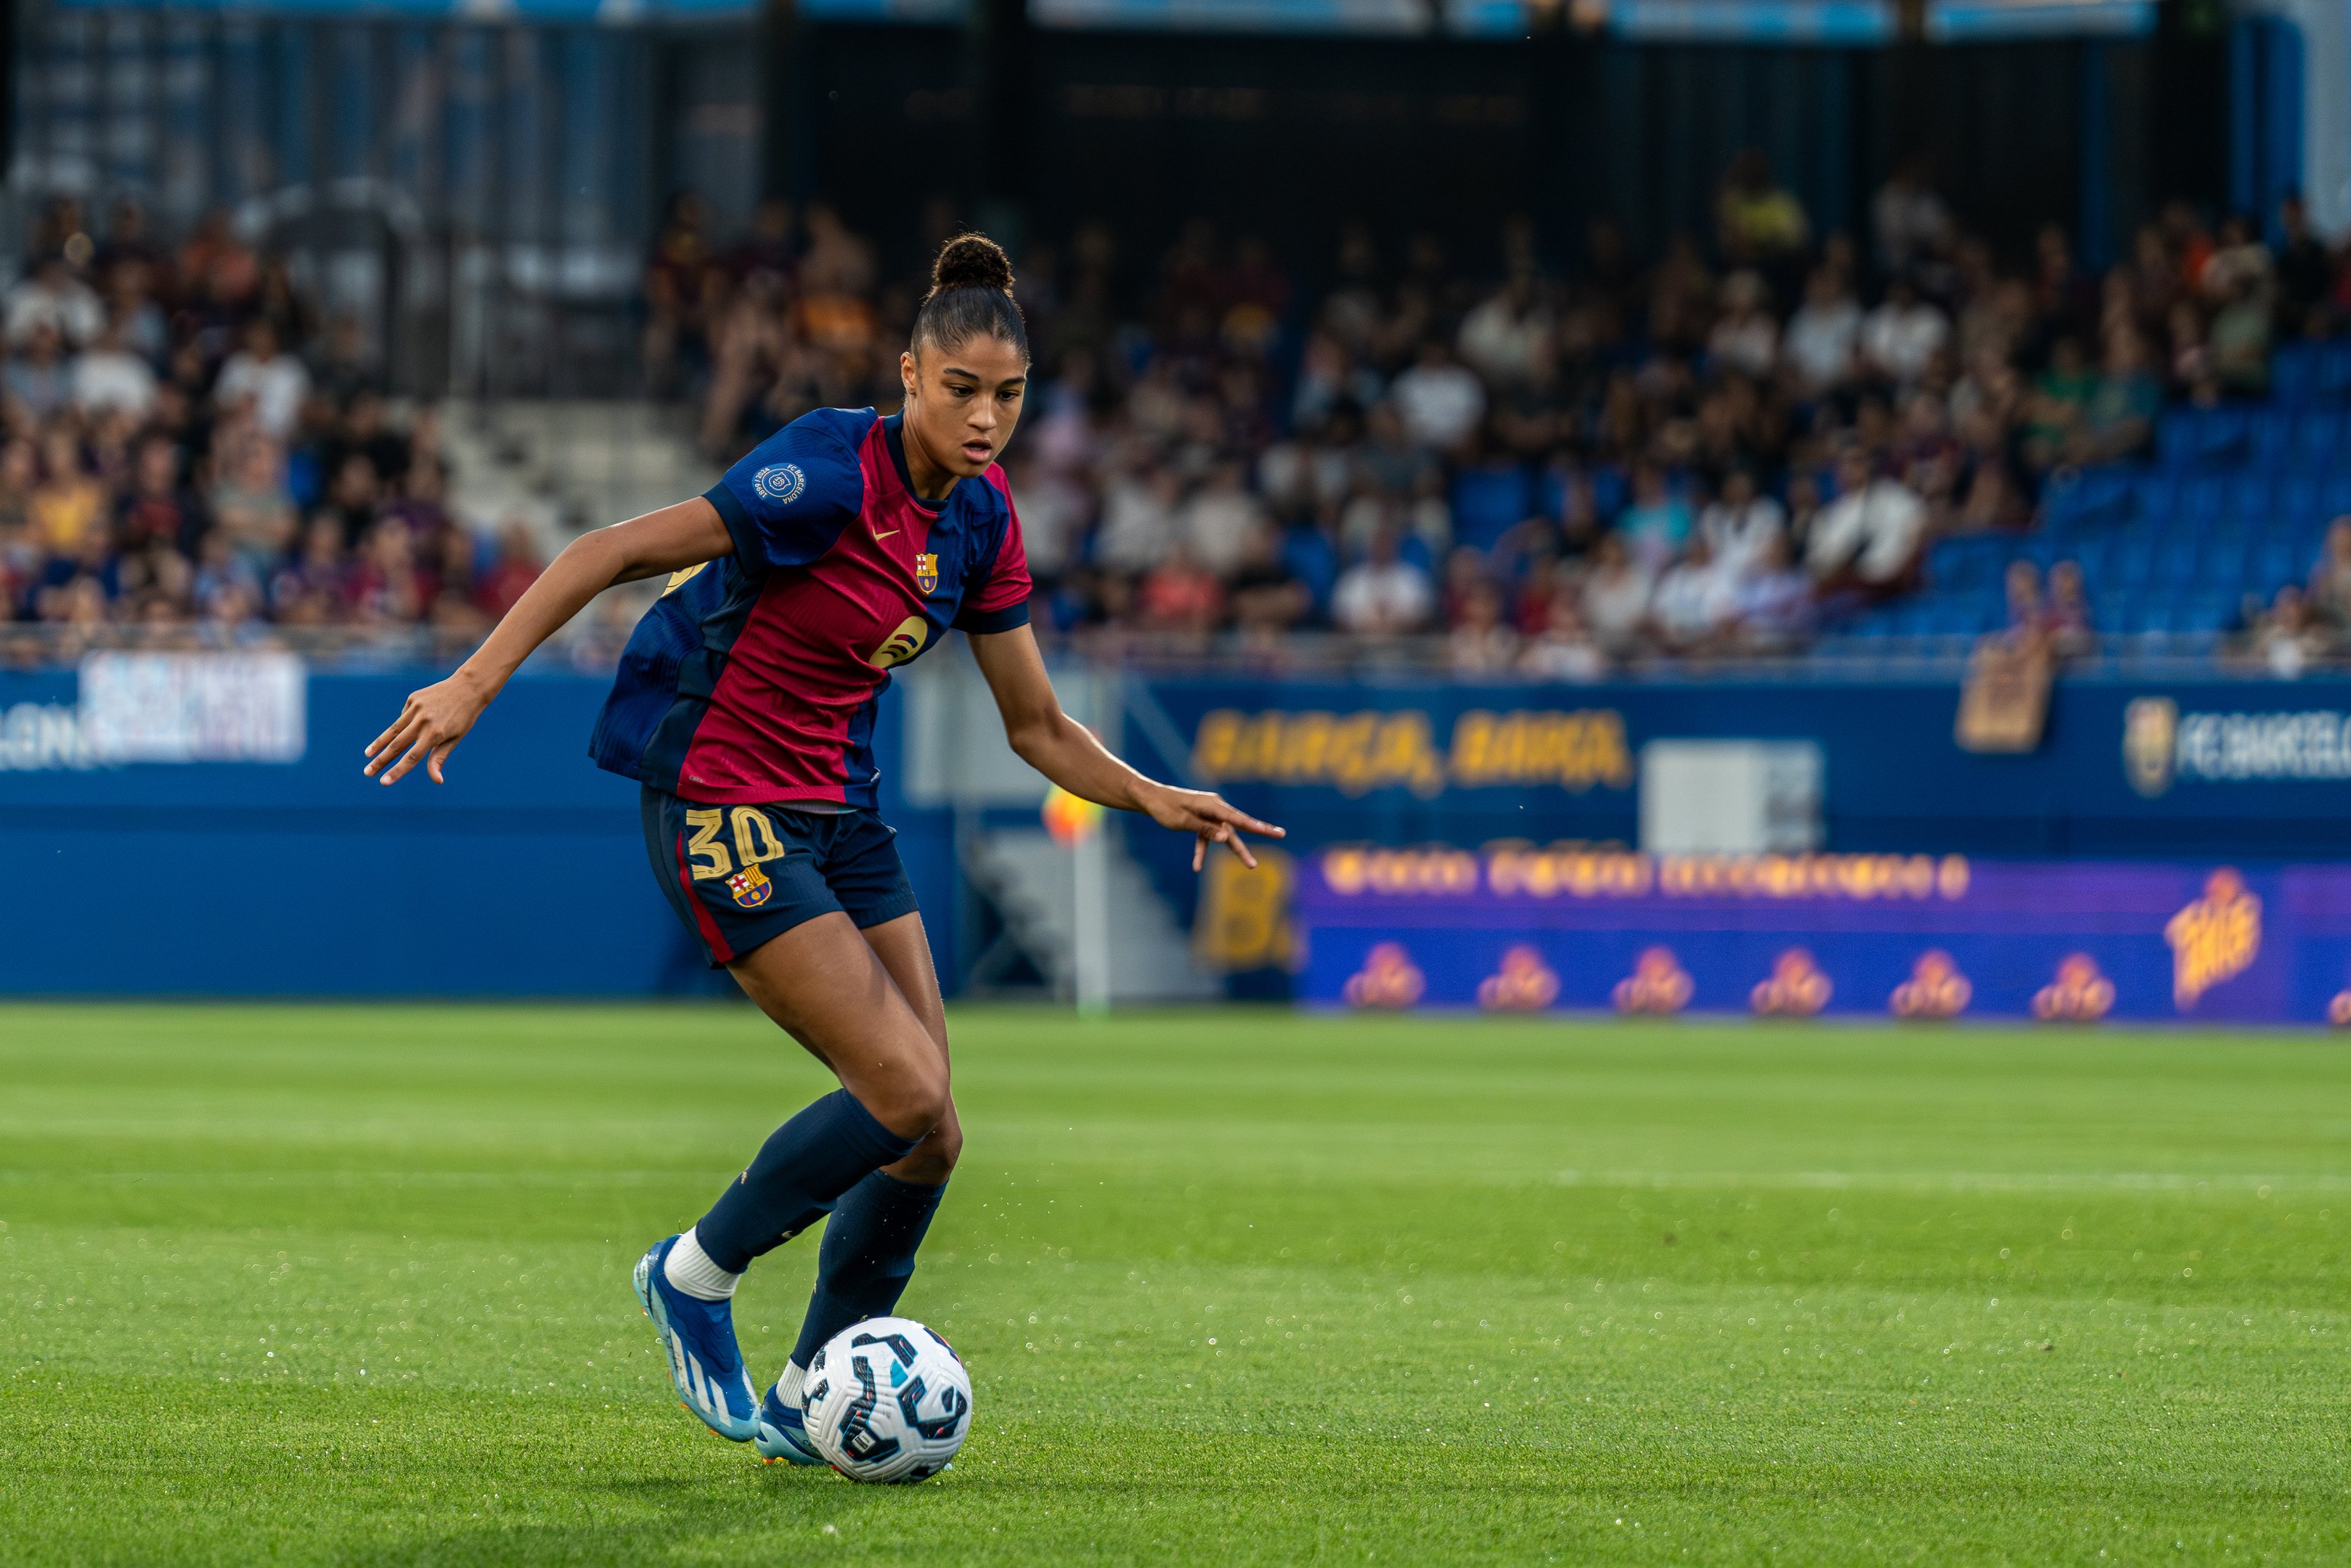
(754, 678)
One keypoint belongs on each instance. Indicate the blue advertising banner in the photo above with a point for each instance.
(197, 825)
(1515, 927)
(2247, 770)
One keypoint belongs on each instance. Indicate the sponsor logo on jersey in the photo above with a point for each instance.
(750, 886)
(781, 483)
(926, 572)
(901, 645)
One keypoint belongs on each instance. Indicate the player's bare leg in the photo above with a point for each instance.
(868, 1254)
(825, 985)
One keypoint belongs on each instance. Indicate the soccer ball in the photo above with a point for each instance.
(887, 1400)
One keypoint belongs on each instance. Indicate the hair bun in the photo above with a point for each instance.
(972, 261)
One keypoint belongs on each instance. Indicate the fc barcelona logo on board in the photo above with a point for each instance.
(926, 572)
(750, 886)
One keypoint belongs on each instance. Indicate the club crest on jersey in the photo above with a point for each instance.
(750, 887)
(926, 572)
(781, 483)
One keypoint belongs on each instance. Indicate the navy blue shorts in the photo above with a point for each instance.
(741, 876)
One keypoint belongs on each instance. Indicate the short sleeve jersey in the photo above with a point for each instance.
(754, 678)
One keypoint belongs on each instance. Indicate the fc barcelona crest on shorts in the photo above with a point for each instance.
(926, 572)
(750, 886)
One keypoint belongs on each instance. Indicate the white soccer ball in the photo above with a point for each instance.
(887, 1400)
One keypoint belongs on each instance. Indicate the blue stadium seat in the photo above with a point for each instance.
(2279, 562)
(1307, 552)
(2270, 439)
(2202, 497)
(2209, 613)
(1488, 502)
(2177, 564)
(1609, 490)
(2294, 373)
(2332, 377)
(2252, 500)
(2317, 446)
(2223, 565)
(2300, 496)
(2154, 496)
(2223, 434)
(2334, 496)
(2175, 439)
(2091, 496)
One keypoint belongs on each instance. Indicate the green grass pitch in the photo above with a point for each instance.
(351, 1285)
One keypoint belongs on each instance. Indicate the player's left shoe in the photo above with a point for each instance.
(698, 1337)
(783, 1431)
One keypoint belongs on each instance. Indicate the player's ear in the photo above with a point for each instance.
(909, 371)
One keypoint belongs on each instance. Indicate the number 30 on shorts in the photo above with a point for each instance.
(754, 835)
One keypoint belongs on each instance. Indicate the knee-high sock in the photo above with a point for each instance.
(867, 1257)
(804, 1166)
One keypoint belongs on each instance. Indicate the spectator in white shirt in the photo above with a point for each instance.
(1911, 220)
(264, 375)
(1869, 537)
(1775, 600)
(110, 376)
(54, 296)
(1481, 642)
(1615, 595)
(1900, 337)
(1383, 595)
(1824, 334)
(1739, 523)
(1695, 602)
(1217, 519)
(1566, 650)
(1745, 337)
(1138, 519)
(1441, 402)
(1054, 511)
(1502, 337)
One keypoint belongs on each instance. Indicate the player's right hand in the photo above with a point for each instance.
(431, 724)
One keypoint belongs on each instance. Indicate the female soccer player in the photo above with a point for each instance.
(845, 545)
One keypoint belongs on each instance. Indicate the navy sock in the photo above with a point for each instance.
(804, 1166)
(867, 1257)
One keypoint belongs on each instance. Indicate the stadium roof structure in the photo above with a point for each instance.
(1861, 23)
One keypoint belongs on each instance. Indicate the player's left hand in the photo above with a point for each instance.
(431, 724)
(1211, 818)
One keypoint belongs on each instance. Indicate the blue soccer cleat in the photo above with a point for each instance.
(783, 1431)
(698, 1337)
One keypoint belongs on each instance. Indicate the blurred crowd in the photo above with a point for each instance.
(1557, 463)
(192, 458)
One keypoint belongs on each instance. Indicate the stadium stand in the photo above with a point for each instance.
(1565, 466)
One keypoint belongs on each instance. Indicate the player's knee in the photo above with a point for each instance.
(939, 1151)
(918, 1102)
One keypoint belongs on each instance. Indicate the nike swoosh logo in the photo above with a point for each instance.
(893, 531)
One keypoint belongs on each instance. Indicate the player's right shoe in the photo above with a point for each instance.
(698, 1337)
(783, 1431)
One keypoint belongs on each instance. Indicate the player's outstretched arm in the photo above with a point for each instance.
(1067, 752)
(435, 719)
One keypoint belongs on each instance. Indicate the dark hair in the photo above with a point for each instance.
(970, 297)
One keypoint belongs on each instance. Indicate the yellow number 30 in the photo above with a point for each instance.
(755, 840)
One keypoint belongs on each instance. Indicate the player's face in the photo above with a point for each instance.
(963, 401)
